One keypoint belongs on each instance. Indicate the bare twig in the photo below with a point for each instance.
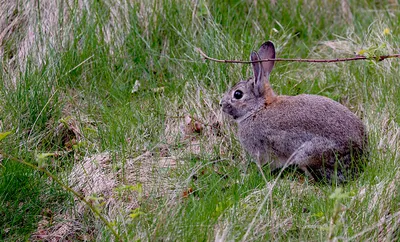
(378, 58)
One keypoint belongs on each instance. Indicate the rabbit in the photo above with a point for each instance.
(318, 135)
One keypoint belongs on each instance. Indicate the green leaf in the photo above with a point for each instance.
(136, 188)
(41, 159)
(65, 120)
(4, 135)
(338, 194)
(203, 9)
(135, 213)
(94, 198)
(318, 215)
(44, 155)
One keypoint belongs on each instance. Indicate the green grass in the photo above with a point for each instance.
(116, 79)
(25, 198)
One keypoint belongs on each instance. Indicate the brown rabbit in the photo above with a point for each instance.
(320, 136)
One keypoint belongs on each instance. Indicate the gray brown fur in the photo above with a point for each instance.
(320, 136)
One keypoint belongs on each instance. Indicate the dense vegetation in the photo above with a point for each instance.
(113, 99)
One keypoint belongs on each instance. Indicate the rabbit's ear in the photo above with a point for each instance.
(267, 51)
(258, 74)
(262, 70)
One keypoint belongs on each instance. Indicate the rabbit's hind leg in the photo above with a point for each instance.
(316, 158)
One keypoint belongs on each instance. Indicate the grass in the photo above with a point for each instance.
(104, 88)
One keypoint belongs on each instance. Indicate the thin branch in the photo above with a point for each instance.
(378, 58)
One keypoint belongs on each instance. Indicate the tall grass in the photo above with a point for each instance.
(105, 87)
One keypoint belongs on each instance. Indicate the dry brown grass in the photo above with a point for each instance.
(30, 28)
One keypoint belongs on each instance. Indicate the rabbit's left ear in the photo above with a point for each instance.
(258, 74)
(261, 70)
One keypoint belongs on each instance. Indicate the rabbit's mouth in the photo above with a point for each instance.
(239, 114)
(228, 109)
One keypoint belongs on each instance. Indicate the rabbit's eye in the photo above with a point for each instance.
(238, 94)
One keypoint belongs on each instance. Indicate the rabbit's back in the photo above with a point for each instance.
(283, 126)
(312, 114)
